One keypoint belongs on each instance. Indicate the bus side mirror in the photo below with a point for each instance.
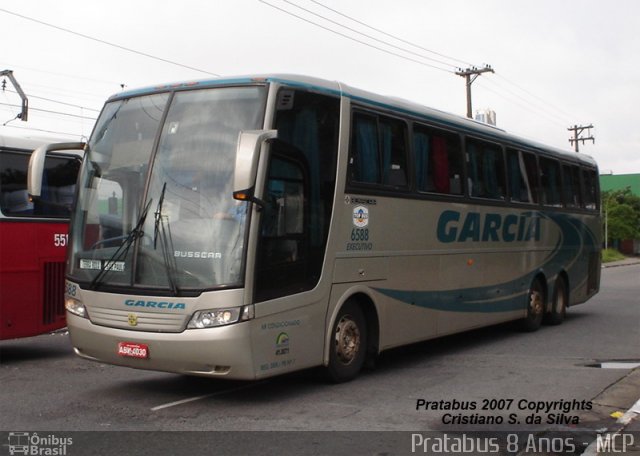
(36, 164)
(247, 156)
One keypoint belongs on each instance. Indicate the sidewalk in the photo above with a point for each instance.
(629, 423)
(626, 262)
(628, 431)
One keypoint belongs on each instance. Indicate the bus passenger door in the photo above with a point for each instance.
(293, 227)
(283, 247)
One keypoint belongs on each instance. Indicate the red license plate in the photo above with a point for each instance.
(133, 350)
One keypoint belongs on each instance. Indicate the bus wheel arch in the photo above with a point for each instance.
(353, 340)
(559, 301)
(536, 304)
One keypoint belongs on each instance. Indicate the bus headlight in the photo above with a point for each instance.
(76, 307)
(220, 317)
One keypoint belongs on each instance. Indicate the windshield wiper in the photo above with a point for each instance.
(158, 216)
(165, 242)
(134, 234)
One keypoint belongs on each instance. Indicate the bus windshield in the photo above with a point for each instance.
(59, 179)
(155, 205)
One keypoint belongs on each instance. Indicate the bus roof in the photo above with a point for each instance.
(412, 109)
(27, 142)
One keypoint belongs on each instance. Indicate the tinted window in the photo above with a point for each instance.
(485, 170)
(533, 176)
(438, 161)
(299, 195)
(378, 151)
(590, 182)
(550, 181)
(571, 186)
(58, 186)
(520, 187)
(364, 163)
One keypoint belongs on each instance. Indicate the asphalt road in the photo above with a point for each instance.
(499, 371)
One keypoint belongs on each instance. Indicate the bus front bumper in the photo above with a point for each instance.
(214, 352)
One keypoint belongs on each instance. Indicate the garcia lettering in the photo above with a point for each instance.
(155, 304)
(477, 227)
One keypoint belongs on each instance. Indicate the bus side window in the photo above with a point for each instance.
(437, 158)
(589, 179)
(519, 186)
(58, 187)
(571, 185)
(393, 137)
(486, 170)
(378, 151)
(364, 162)
(14, 199)
(533, 176)
(551, 182)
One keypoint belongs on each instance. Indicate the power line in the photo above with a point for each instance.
(545, 102)
(527, 107)
(144, 54)
(544, 109)
(66, 75)
(71, 93)
(51, 112)
(393, 36)
(355, 39)
(43, 131)
(369, 36)
(64, 103)
(59, 102)
(471, 73)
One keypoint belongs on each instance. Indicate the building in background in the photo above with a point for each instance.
(486, 116)
(620, 182)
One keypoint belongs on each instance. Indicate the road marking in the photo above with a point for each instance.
(204, 396)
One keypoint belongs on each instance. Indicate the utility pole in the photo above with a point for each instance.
(577, 131)
(25, 102)
(470, 74)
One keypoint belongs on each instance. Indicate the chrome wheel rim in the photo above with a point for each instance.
(347, 340)
(536, 303)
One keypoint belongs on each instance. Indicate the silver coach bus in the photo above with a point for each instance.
(248, 227)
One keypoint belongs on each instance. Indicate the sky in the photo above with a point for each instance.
(557, 64)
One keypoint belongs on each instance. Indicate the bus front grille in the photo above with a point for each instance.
(53, 308)
(138, 320)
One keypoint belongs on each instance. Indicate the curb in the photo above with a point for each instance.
(627, 419)
(617, 264)
(628, 424)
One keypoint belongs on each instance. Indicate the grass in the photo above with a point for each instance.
(609, 255)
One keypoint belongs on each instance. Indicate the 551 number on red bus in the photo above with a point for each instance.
(60, 240)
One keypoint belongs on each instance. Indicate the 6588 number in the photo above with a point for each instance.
(360, 234)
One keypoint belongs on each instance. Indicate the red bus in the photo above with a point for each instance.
(33, 238)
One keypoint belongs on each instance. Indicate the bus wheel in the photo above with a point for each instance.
(559, 304)
(348, 344)
(535, 308)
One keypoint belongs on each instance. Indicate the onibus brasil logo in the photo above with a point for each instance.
(30, 443)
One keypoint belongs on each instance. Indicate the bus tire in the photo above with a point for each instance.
(348, 344)
(535, 307)
(559, 303)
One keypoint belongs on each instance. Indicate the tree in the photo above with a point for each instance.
(621, 210)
